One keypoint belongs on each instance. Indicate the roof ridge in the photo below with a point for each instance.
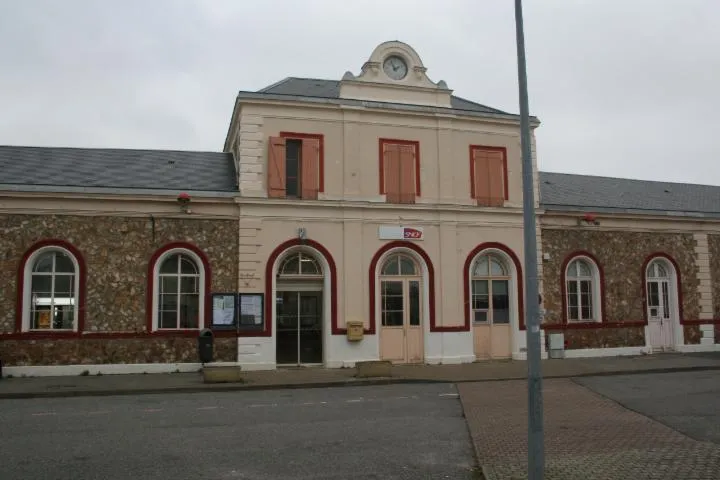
(479, 104)
(279, 82)
(608, 177)
(121, 149)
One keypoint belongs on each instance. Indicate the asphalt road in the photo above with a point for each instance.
(688, 402)
(382, 432)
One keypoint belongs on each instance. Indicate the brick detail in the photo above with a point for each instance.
(702, 260)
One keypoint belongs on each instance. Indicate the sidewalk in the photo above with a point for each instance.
(319, 377)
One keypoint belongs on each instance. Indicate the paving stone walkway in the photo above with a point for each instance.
(587, 437)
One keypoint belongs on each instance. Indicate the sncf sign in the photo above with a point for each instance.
(387, 232)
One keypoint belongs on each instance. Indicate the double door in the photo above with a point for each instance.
(401, 330)
(299, 333)
(660, 325)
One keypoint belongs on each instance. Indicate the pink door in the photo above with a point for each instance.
(401, 333)
(660, 325)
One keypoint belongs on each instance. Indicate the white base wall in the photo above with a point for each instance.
(343, 354)
(698, 348)
(103, 369)
(523, 355)
(256, 353)
(606, 352)
(449, 347)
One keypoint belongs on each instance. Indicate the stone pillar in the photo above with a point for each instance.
(702, 260)
(251, 157)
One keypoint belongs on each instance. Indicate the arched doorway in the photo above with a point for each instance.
(401, 310)
(492, 303)
(661, 304)
(299, 310)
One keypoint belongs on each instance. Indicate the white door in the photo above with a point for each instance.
(660, 324)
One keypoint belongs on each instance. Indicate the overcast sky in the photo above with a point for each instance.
(622, 87)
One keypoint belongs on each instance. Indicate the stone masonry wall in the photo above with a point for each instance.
(94, 351)
(621, 255)
(116, 251)
(714, 244)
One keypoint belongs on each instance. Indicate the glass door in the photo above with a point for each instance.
(299, 328)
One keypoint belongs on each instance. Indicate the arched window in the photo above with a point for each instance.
(490, 290)
(300, 264)
(179, 289)
(52, 290)
(400, 298)
(582, 282)
(658, 284)
(399, 264)
(657, 269)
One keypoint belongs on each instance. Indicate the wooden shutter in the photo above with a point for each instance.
(482, 188)
(310, 168)
(496, 179)
(407, 173)
(276, 167)
(392, 172)
(489, 178)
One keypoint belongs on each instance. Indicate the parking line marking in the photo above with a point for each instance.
(449, 395)
(42, 414)
(210, 407)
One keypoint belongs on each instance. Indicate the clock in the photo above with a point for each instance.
(395, 67)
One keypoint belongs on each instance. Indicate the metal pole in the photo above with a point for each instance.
(536, 451)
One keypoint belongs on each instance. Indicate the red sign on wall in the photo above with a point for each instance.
(410, 233)
(387, 232)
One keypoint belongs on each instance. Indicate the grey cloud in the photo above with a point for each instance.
(622, 88)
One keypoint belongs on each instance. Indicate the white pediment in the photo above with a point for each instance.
(395, 73)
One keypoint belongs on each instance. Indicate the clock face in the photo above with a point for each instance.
(395, 67)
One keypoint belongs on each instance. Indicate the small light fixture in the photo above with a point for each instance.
(184, 201)
(588, 219)
(302, 233)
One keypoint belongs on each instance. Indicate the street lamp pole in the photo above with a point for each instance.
(536, 453)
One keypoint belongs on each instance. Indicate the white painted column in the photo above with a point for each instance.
(702, 252)
(251, 157)
(254, 353)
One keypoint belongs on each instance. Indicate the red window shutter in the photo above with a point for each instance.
(276, 167)
(310, 168)
(392, 170)
(482, 187)
(407, 174)
(496, 179)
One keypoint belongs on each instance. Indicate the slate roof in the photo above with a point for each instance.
(562, 191)
(117, 168)
(319, 88)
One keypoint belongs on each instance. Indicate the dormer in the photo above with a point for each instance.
(394, 73)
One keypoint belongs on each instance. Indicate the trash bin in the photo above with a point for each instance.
(206, 345)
